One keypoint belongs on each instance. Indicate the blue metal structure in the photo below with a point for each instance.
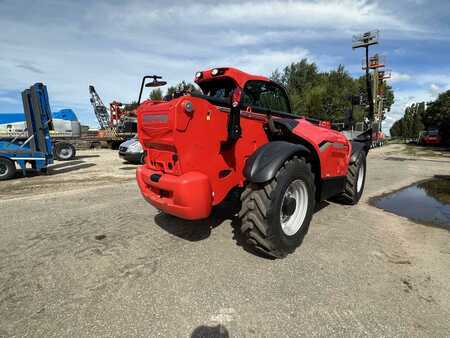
(6, 118)
(37, 149)
(62, 114)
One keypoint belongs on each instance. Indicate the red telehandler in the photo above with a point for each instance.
(240, 134)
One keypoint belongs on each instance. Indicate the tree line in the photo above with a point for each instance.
(329, 95)
(425, 116)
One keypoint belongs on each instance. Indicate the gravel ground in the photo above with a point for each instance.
(82, 254)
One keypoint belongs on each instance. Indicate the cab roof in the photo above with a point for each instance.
(237, 75)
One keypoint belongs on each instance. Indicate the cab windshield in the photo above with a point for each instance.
(218, 91)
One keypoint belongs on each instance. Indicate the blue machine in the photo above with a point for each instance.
(37, 149)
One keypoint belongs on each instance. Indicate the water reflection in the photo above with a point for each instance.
(427, 202)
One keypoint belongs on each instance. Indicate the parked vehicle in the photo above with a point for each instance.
(132, 151)
(378, 139)
(36, 149)
(240, 135)
(430, 137)
(64, 133)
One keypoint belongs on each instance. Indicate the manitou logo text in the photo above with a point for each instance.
(162, 118)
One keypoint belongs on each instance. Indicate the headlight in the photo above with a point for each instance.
(136, 147)
(214, 72)
(198, 75)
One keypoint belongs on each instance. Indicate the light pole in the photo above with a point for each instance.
(364, 41)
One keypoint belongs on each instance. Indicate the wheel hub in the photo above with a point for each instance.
(65, 153)
(294, 207)
(288, 207)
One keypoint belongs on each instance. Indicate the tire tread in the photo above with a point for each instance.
(256, 203)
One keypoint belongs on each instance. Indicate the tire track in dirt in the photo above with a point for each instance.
(106, 245)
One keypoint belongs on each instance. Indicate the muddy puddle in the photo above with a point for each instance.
(426, 202)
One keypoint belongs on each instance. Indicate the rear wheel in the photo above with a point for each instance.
(143, 156)
(64, 151)
(276, 215)
(356, 179)
(7, 169)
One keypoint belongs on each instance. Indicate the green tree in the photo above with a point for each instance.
(437, 115)
(397, 129)
(417, 125)
(389, 96)
(324, 95)
(130, 106)
(411, 124)
(156, 94)
(182, 87)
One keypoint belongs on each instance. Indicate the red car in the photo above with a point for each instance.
(431, 137)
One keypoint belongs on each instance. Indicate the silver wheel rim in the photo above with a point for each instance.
(294, 207)
(360, 181)
(65, 153)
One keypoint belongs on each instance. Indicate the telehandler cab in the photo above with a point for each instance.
(240, 133)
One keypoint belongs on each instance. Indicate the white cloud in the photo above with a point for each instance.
(399, 77)
(9, 100)
(338, 15)
(113, 44)
(435, 89)
(403, 99)
(441, 78)
(266, 61)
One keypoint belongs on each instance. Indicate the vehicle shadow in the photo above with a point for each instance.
(192, 231)
(19, 174)
(128, 168)
(321, 205)
(131, 163)
(68, 166)
(199, 230)
(55, 169)
(203, 331)
(64, 164)
(77, 157)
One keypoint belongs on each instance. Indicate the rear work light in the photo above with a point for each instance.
(188, 107)
(218, 71)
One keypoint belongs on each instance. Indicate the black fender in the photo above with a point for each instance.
(361, 143)
(357, 148)
(264, 163)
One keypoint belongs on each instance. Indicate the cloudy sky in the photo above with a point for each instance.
(112, 44)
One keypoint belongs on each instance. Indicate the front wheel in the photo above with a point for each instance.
(7, 169)
(64, 151)
(275, 215)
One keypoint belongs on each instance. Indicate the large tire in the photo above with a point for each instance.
(7, 169)
(356, 179)
(275, 215)
(64, 151)
(142, 159)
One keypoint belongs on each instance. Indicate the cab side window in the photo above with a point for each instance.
(264, 97)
